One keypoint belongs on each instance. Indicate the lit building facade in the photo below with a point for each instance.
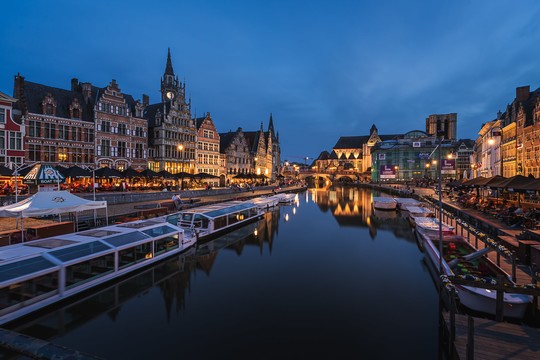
(208, 154)
(172, 134)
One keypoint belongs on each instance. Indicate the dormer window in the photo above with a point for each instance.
(48, 105)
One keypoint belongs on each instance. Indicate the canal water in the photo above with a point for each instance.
(325, 278)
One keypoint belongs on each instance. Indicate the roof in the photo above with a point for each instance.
(34, 94)
(356, 142)
(225, 139)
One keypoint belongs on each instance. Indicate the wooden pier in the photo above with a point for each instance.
(492, 340)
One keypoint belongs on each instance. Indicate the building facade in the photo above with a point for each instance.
(12, 133)
(445, 124)
(172, 134)
(121, 132)
(208, 153)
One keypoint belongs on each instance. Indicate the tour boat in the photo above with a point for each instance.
(266, 202)
(384, 203)
(403, 203)
(39, 273)
(208, 221)
(461, 258)
(287, 198)
(416, 212)
(429, 226)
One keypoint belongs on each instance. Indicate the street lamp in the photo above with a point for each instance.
(255, 165)
(396, 170)
(181, 151)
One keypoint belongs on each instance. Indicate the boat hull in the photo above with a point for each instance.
(475, 298)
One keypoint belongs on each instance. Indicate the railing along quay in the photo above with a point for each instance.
(466, 336)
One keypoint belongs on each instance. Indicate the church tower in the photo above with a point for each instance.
(170, 87)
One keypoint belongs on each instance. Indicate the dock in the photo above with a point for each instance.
(492, 340)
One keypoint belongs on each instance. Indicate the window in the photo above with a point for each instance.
(49, 153)
(34, 152)
(105, 148)
(139, 151)
(15, 140)
(2, 116)
(50, 131)
(122, 129)
(34, 129)
(122, 149)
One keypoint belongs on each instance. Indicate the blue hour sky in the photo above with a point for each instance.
(324, 69)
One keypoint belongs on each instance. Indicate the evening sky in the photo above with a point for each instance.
(324, 69)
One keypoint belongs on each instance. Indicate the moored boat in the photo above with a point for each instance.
(204, 222)
(384, 203)
(42, 272)
(461, 258)
(417, 212)
(287, 198)
(430, 227)
(403, 203)
(266, 202)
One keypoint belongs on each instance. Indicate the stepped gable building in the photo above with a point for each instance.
(11, 133)
(464, 150)
(85, 125)
(234, 146)
(121, 131)
(209, 159)
(172, 133)
(252, 152)
(352, 153)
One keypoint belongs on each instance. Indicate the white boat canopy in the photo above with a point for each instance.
(50, 203)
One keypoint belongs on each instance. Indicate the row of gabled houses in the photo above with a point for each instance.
(93, 126)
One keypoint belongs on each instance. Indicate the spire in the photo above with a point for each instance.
(271, 124)
(168, 68)
(262, 130)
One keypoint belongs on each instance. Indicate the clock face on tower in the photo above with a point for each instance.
(170, 95)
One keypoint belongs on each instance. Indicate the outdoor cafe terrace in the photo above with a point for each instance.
(513, 200)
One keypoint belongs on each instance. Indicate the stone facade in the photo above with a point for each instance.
(172, 132)
(442, 123)
(208, 153)
(121, 137)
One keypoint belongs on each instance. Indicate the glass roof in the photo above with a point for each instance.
(50, 243)
(98, 233)
(227, 210)
(141, 224)
(24, 267)
(126, 238)
(162, 230)
(79, 251)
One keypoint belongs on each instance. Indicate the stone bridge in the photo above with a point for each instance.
(327, 178)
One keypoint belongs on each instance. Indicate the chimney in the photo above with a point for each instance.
(522, 93)
(18, 86)
(145, 100)
(74, 84)
(86, 91)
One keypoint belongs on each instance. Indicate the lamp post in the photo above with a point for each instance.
(440, 207)
(181, 151)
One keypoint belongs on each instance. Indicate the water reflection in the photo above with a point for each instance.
(172, 278)
(352, 206)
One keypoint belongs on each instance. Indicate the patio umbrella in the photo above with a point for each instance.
(131, 173)
(5, 171)
(167, 175)
(204, 176)
(107, 172)
(76, 172)
(183, 175)
(147, 173)
(474, 181)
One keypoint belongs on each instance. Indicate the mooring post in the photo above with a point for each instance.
(470, 338)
